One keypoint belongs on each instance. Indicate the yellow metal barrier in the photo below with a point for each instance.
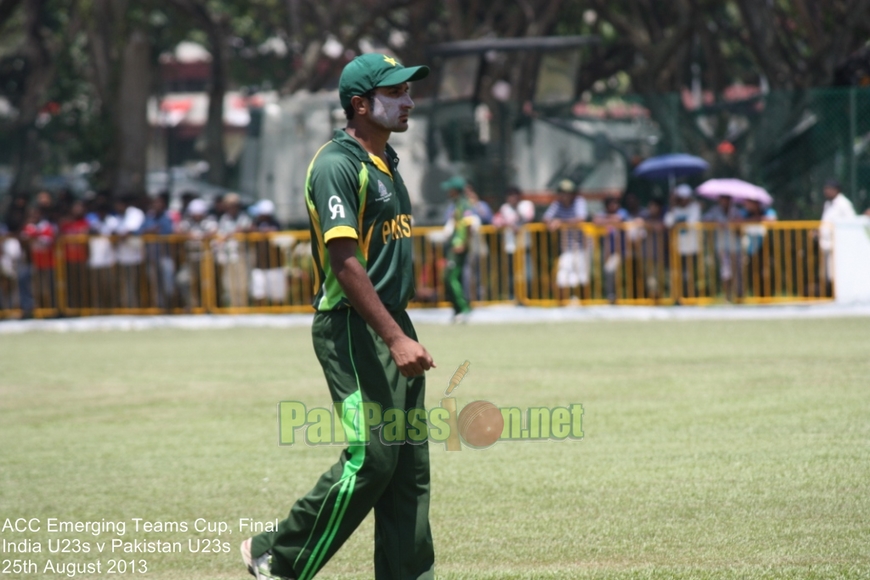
(589, 264)
(150, 274)
(262, 272)
(750, 263)
(147, 274)
(630, 263)
(429, 266)
(489, 272)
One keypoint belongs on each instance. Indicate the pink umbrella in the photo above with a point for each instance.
(736, 188)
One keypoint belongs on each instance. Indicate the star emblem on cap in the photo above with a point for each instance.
(390, 60)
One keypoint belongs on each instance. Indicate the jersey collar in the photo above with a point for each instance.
(342, 138)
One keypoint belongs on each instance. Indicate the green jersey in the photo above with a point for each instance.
(353, 194)
(462, 220)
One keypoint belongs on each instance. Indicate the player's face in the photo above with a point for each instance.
(391, 107)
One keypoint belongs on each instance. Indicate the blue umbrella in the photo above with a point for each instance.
(670, 166)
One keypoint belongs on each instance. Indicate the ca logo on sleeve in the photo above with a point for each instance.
(336, 209)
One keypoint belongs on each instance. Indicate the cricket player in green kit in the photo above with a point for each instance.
(360, 215)
(457, 247)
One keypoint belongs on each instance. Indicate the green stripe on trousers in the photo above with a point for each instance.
(392, 479)
(453, 274)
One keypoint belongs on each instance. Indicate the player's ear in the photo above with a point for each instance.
(359, 104)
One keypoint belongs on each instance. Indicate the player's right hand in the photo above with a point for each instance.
(411, 357)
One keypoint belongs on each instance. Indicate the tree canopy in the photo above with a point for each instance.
(77, 74)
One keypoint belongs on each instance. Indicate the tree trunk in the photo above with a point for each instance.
(214, 129)
(131, 133)
(761, 24)
(41, 73)
(216, 27)
(28, 161)
(106, 30)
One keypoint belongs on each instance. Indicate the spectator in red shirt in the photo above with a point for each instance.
(41, 234)
(38, 237)
(75, 252)
(74, 223)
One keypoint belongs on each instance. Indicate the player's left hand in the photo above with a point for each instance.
(411, 357)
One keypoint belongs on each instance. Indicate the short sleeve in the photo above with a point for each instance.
(334, 192)
(551, 211)
(526, 210)
(580, 211)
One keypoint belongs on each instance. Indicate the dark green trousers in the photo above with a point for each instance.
(453, 287)
(389, 477)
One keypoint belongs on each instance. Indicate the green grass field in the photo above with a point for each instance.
(711, 450)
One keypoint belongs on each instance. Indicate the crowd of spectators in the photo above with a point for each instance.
(142, 252)
(631, 236)
(117, 254)
(636, 235)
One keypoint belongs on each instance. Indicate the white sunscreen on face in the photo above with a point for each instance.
(387, 110)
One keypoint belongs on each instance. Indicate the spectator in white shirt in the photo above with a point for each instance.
(101, 255)
(837, 208)
(231, 252)
(685, 213)
(565, 216)
(197, 225)
(130, 249)
(513, 213)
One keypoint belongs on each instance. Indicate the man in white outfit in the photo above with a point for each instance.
(130, 249)
(685, 213)
(837, 208)
(565, 215)
(513, 213)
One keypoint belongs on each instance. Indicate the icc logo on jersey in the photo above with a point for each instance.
(383, 193)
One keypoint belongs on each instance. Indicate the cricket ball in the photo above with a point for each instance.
(480, 424)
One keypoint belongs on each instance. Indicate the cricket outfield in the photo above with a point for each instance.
(710, 449)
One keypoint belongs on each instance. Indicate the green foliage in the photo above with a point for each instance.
(647, 48)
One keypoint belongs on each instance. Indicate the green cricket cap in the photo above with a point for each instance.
(372, 70)
(456, 182)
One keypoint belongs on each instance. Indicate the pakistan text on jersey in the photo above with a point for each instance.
(396, 228)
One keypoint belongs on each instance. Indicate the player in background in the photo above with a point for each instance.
(459, 225)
